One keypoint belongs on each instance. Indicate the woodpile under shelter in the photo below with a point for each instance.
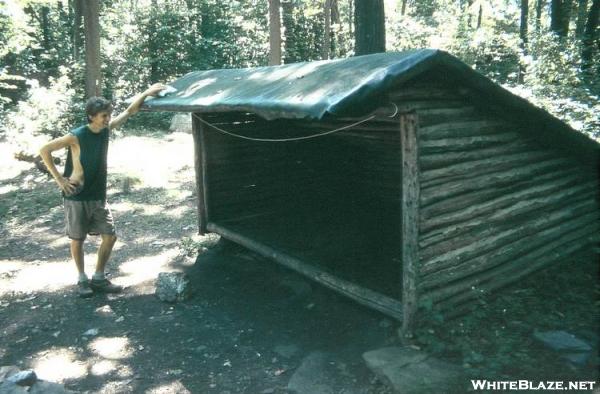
(396, 179)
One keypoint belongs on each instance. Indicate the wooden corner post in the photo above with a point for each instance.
(410, 221)
(199, 135)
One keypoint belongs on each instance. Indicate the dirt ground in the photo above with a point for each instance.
(249, 324)
(247, 327)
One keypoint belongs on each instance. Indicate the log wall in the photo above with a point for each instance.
(358, 167)
(495, 204)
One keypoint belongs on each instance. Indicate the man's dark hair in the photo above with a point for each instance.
(96, 105)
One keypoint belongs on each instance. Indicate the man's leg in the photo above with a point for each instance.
(99, 282)
(83, 286)
(77, 254)
(103, 224)
(106, 247)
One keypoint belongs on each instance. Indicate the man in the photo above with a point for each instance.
(83, 185)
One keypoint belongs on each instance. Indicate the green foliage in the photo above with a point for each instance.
(51, 110)
(159, 40)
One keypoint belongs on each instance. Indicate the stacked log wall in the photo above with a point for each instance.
(495, 205)
(358, 167)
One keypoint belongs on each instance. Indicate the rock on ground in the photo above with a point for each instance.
(562, 340)
(23, 378)
(172, 286)
(319, 374)
(15, 381)
(411, 371)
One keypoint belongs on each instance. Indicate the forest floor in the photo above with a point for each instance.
(250, 323)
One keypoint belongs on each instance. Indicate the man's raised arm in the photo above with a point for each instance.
(134, 107)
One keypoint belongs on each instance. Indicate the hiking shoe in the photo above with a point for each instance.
(84, 290)
(105, 286)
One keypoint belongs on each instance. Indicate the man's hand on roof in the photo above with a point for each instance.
(154, 89)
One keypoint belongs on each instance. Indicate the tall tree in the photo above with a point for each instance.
(560, 16)
(590, 37)
(581, 16)
(274, 33)
(369, 21)
(523, 36)
(539, 4)
(93, 76)
(77, 36)
(153, 45)
(327, 30)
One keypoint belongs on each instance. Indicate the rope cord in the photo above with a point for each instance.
(294, 138)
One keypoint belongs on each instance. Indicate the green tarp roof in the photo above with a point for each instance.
(292, 91)
(351, 86)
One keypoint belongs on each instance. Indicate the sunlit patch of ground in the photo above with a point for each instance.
(58, 365)
(29, 277)
(146, 160)
(143, 269)
(113, 348)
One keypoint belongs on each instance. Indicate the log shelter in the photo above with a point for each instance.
(396, 179)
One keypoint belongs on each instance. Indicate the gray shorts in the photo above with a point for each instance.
(87, 217)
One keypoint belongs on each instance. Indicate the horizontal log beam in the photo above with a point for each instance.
(387, 305)
(468, 258)
(552, 252)
(494, 180)
(546, 195)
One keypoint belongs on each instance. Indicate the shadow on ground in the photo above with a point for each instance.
(246, 329)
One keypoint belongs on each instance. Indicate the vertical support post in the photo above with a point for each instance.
(200, 161)
(410, 221)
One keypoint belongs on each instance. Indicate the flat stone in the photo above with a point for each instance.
(410, 371)
(105, 310)
(172, 287)
(398, 356)
(7, 371)
(562, 340)
(315, 376)
(286, 351)
(23, 378)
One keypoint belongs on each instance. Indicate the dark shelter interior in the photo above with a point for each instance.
(331, 201)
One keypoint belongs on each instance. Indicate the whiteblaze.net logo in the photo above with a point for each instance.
(482, 384)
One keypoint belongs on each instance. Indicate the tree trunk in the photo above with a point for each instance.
(335, 12)
(274, 33)
(369, 22)
(538, 14)
(403, 11)
(560, 17)
(581, 16)
(480, 16)
(287, 17)
(350, 17)
(45, 27)
(590, 36)
(523, 36)
(152, 44)
(327, 30)
(93, 77)
(77, 37)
